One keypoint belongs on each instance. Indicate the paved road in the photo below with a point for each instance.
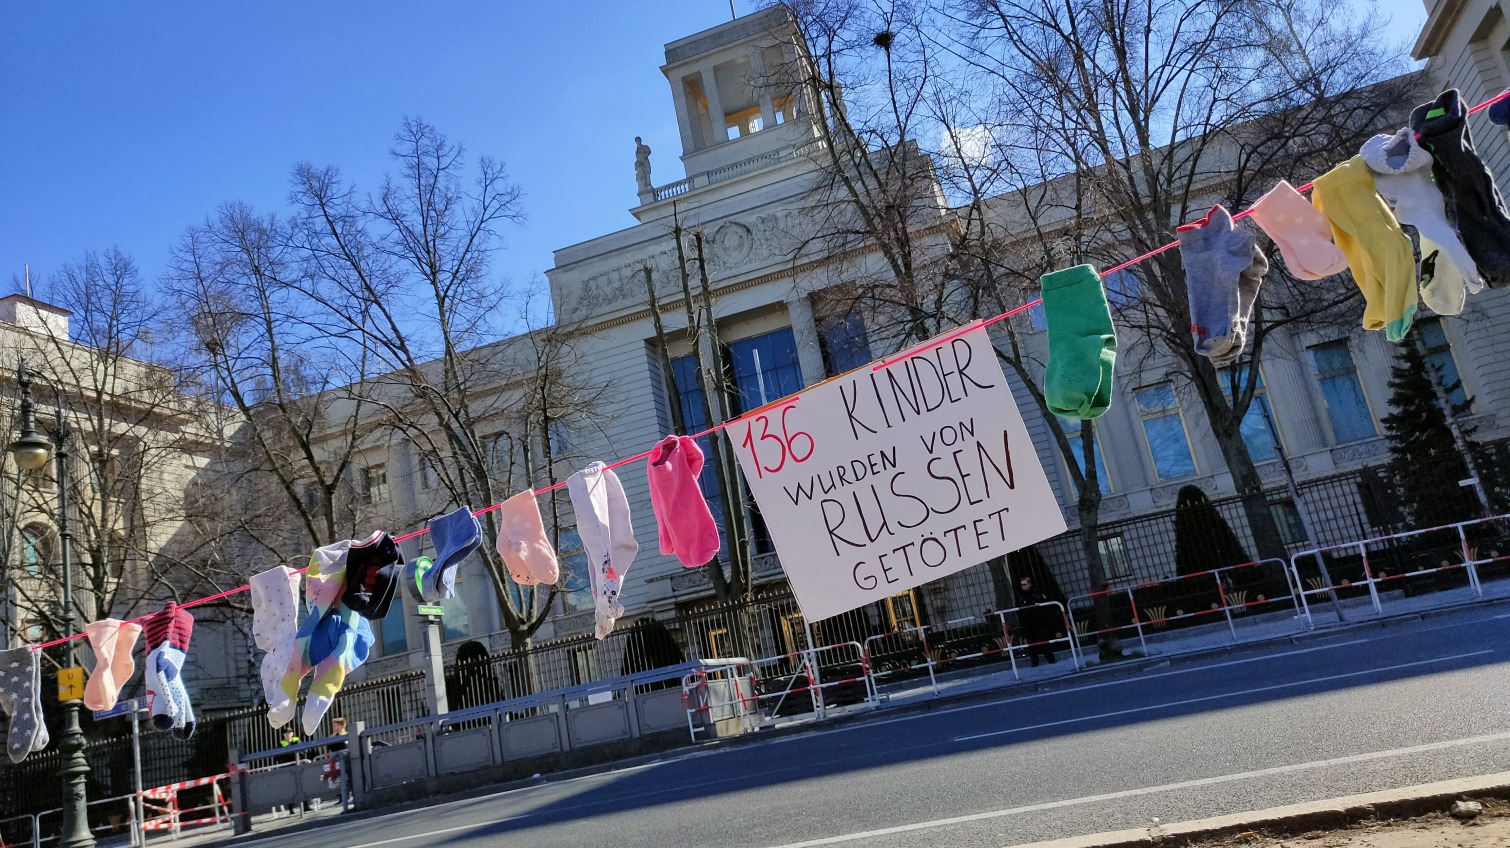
(1353, 712)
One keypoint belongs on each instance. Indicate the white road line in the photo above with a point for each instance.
(1149, 790)
(1225, 695)
(430, 834)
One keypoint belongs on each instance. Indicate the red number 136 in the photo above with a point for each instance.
(787, 445)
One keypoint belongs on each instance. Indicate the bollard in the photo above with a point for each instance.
(353, 771)
(241, 815)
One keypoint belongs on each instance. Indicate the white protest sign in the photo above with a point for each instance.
(885, 479)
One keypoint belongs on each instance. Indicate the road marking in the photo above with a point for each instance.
(428, 834)
(1208, 698)
(1149, 790)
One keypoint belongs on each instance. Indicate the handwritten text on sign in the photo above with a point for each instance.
(879, 481)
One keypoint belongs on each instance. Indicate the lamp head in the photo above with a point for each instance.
(31, 450)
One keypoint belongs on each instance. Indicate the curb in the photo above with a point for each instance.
(1409, 802)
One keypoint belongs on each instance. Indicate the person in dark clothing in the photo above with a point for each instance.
(1037, 624)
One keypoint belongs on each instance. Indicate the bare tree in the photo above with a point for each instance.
(1162, 108)
(142, 428)
(930, 212)
(405, 273)
(270, 358)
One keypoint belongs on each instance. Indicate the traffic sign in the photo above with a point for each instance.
(431, 609)
(70, 684)
(135, 705)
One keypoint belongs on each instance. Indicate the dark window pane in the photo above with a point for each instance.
(1256, 433)
(1347, 408)
(765, 369)
(843, 342)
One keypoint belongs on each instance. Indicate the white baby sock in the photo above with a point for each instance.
(603, 521)
(275, 626)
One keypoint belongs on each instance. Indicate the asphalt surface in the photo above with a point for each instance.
(1362, 710)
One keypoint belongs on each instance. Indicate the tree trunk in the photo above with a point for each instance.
(1225, 426)
(1088, 509)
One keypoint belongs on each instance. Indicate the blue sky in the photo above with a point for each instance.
(126, 122)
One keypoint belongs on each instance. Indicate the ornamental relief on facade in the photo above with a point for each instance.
(732, 247)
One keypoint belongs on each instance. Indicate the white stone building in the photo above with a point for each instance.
(748, 156)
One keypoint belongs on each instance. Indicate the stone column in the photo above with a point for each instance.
(685, 115)
(762, 88)
(715, 109)
(805, 332)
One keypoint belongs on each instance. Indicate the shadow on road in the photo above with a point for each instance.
(1158, 694)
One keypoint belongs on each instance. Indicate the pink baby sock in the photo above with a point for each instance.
(112, 641)
(1301, 233)
(686, 524)
(522, 542)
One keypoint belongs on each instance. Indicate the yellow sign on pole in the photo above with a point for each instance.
(70, 684)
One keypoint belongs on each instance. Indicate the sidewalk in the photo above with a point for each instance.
(1410, 817)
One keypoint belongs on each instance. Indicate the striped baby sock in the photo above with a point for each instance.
(168, 633)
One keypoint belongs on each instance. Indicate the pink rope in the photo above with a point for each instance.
(957, 332)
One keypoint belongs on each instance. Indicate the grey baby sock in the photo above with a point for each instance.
(20, 685)
(1216, 255)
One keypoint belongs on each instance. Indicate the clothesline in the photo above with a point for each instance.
(717, 427)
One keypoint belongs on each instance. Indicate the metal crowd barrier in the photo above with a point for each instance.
(719, 691)
(36, 840)
(803, 672)
(1152, 616)
(1372, 579)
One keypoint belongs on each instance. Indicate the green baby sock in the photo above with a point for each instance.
(1082, 343)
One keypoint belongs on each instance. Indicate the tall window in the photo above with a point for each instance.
(395, 639)
(1077, 447)
(429, 478)
(1439, 354)
(1292, 530)
(1122, 287)
(1114, 563)
(1037, 320)
(560, 439)
(765, 369)
(689, 387)
(576, 582)
(455, 623)
(1254, 428)
(842, 340)
(1164, 428)
(1346, 406)
(375, 483)
(34, 548)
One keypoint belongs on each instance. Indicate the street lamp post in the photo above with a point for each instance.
(31, 451)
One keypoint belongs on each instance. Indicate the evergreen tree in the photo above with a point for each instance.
(1426, 460)
(1028, 562)
(1203, 539)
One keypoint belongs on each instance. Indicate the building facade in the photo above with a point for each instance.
(750, 158)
